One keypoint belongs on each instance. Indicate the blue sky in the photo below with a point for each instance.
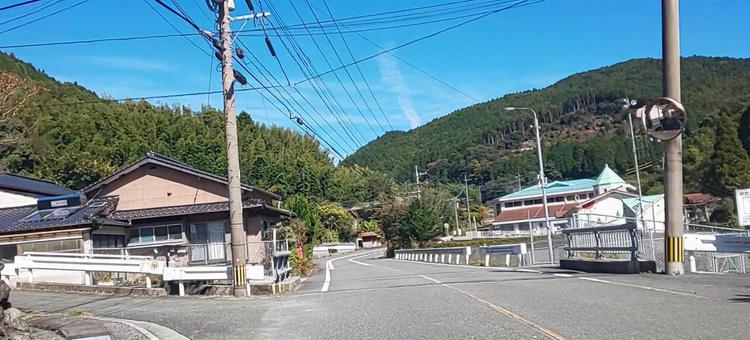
(522, 48)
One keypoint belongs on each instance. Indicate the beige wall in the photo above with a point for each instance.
(156, 186)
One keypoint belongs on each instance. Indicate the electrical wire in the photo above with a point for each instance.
(44, 17)
(413, 41)
(22, 3)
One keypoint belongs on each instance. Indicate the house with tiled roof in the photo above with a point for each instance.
(155, 206)
(17, 190)
(518, 212)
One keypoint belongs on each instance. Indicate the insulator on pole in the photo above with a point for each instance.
(240, 53)
(270, 47)
(217, 44)
(217, 54)
(239, 77)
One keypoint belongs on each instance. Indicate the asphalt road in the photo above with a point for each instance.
(371, 297)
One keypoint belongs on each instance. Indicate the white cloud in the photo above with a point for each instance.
(392, 77)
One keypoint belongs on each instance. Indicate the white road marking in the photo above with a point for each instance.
(562, 275)
(528, 270)
(327, 281)
(357, 262)
(329, 267)
(642, 287)
(430, 279)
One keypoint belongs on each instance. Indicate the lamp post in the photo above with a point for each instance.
(542, 179)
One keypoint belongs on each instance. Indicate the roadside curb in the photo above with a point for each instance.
(162, 332)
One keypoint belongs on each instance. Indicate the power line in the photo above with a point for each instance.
(410, 42)
(18, 4)
(361, 74)
(38, 9)
(44, 17)
(239, 32)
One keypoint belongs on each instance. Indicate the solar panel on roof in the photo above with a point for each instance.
(51, 214)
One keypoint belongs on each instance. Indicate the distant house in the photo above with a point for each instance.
(368, 239)
(17, 190)
(156, 206)
(518, 212)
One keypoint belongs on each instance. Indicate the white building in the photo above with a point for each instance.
(518, 212)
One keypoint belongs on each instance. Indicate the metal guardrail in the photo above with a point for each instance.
(437, 255)
(603, 239)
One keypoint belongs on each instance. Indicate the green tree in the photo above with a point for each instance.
(420, 223)
(390, 213)
(730, 163)
(337, 219)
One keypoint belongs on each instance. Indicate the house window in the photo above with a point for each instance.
(108, 241)
(157, 233)
(571, 198)
(538, 201)
(528, 202)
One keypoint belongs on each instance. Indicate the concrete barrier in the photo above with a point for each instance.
(518, 249)
(435, 255)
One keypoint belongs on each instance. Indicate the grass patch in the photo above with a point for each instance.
(76, 312)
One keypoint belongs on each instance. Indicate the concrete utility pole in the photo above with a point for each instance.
(468, 208)
(542, 179)
(455, 210)
(673, 228)
(239, 259)
(416, 176)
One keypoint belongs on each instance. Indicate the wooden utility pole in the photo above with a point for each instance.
(238, 235)
(670, 64)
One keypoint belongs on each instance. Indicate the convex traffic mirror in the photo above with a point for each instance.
(664, 118)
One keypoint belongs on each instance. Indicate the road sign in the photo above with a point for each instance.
(664, 118)
(742, 200)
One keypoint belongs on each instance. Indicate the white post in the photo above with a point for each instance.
(181, 286)
(148, 281)
(693, 268)
(467, 258)
(487, 260)
(458, 259)
(450, 257)
(31, 275)
(442, 258)
(507, 260)
(87, 279)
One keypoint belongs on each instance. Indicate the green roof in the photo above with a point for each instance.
(553, 188)
(632, 202)
(608, 177)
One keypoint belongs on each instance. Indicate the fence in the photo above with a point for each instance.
(651, 244)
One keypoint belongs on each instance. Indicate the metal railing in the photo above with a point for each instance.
(607, 239)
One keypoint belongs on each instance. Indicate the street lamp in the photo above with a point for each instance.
(542, 179)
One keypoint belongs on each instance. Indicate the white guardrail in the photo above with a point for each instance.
(89, 263)
(518, 249)
(437, 255)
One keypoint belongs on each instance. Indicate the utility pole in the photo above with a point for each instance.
(416, 176)
(468, 208)
(673, 228)
(455, 210)
(238, 235)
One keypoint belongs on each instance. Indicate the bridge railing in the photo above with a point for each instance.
(438, 255)
(601, 240)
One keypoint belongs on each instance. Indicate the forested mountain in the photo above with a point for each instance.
(582, 128)
(63, 132)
